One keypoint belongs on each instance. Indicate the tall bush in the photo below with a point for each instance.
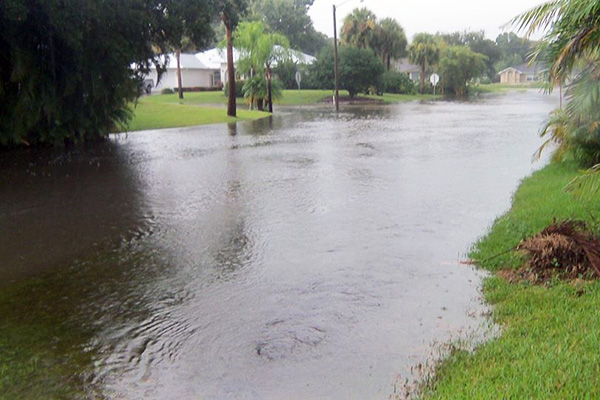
(70, 69)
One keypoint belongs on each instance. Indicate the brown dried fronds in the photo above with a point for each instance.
(565, 250)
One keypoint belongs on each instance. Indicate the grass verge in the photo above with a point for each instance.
(551, 335)
(289, 98)
(156, 115)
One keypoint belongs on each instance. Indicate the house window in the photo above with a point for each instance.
(215, 79)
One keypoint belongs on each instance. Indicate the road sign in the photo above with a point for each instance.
(434, 79)
(298, 78)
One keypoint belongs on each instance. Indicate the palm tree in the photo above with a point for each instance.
(359, 28)
(391, 41)
(571, 47)
(259, 51)
(230, 14)
(423, 51)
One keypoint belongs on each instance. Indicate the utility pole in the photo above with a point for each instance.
(336, 96)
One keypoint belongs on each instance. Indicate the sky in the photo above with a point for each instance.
(431, 16)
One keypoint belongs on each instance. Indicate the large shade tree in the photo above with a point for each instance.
(424, 52)
(188, 28)
(359, 70)
(70, 70)
(289, 18)
(458, 65)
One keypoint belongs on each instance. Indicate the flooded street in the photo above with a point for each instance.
(305, 256)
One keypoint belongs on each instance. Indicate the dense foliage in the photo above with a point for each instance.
(289, 18)
(259, 52)
(424, 51)
(397, 82)
(458, 65)
(359, 70)
(69, 69)
(571, 49)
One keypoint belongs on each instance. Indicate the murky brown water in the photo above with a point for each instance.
(304, 256)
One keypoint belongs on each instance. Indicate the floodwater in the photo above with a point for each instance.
(302, 256)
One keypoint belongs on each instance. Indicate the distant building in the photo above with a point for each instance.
(523, 73)
(413, 71)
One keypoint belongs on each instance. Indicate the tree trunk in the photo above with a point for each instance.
(231, 105)
(423, 78)
(179, 85)
(389, 62)
(259, 104)
(269, 92)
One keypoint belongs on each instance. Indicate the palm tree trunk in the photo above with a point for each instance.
(269, 92)
(231, 105)
(179, 85)
(423, 78)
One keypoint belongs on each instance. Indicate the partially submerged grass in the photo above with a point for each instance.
(155, 115)
(35, 334)
(551, 335)
(290, 98)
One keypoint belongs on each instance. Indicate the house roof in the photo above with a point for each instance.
(526, 69)
(187, 61)
(214, 58)
(404, 66)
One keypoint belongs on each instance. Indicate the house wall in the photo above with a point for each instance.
(189, 77)
(510, 76)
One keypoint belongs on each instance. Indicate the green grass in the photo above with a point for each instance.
(549, 347)
(155, 115)
(35, 337)
(289, 98)
(504, 87)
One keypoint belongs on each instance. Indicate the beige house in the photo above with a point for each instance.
(523, 73)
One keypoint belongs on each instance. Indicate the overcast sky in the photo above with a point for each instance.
(428, 15)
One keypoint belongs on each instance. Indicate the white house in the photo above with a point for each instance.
(207, 69)
(194, 73)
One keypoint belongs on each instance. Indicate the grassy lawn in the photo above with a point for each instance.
(549, 348)
(504, 87)
(156, 115)
(290, 97)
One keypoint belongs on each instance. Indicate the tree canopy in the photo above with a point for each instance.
(259, 51)
(424, 51)
(571, 50)
(289, 18)
(359, 70)
(69, 70)
(458, 65)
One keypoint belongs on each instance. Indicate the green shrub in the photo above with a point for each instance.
(239, 91)
(167, 91)
(397, 82)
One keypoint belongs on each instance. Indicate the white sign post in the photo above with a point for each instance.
(298, 80)
(434, 79)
